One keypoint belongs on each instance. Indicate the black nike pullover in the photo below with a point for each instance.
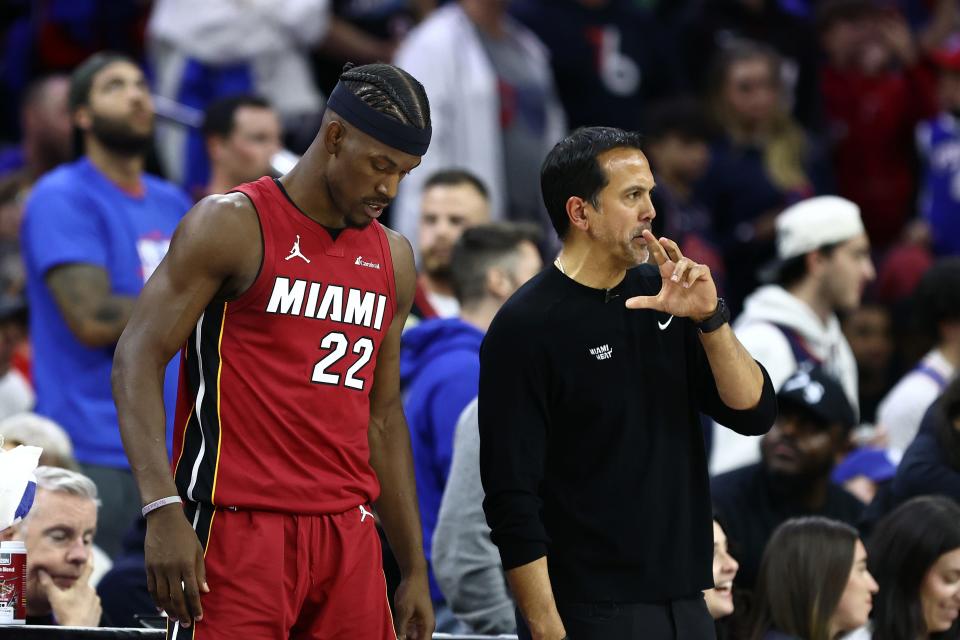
(592, 452)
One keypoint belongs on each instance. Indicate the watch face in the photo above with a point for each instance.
(723, 310)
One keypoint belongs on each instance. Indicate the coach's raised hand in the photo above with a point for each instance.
(174, 558)
(688, 290)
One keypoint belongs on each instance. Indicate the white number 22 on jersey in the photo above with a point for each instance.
(338, 344)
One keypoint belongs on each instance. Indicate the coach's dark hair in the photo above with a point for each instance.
(794, 269)
(389, 90)
(454, 178)
(803, 573)
(571, 169)
(903, 547)
(481, 247)
(937, 297)
(219, 118)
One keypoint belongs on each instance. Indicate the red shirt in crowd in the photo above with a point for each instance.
(871, 120)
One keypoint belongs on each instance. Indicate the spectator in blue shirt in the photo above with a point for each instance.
(938, 140)
(440, 358)
(93, 232)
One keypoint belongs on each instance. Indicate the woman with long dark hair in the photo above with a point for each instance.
(813, 582)
(915, 556)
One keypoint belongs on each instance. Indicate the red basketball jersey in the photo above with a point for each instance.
(273, 404)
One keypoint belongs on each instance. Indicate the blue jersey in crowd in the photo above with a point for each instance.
(76, 215)
(939, 143)
(439, 376)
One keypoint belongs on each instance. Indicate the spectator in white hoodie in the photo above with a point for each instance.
(823, 266)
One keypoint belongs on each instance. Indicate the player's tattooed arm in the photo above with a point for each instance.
(94, 313)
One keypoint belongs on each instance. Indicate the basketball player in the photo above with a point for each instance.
(287, 298)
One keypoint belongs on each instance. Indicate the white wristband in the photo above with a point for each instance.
(156, 504)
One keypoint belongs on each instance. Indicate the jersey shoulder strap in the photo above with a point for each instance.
(931, 373)
(801, 352)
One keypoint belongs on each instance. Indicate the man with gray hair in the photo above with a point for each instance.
(35, 430)
(58, 533)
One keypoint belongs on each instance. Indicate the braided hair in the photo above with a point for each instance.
(389, 90)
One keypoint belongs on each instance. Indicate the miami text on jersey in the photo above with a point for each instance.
(362, 308)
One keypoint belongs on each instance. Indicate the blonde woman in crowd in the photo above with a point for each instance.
(760, 163)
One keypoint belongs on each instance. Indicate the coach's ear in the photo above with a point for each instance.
(577, 212)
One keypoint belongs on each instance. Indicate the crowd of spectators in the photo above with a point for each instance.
(808, 151)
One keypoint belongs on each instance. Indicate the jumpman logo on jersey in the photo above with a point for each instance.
(295, 252)
(364, 513)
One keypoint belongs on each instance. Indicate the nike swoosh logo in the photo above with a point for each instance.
(664, 325)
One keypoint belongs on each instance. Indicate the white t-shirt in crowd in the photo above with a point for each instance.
(902, 409)
(445, 306)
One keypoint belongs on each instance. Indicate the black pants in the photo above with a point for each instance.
(686, 619)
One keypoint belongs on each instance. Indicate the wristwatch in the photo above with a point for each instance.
(717, 319)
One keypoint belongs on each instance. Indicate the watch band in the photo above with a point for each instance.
(717, 319)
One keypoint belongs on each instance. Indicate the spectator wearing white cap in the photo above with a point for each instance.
(823, 264)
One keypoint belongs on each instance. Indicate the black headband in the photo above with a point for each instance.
(390, 132)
